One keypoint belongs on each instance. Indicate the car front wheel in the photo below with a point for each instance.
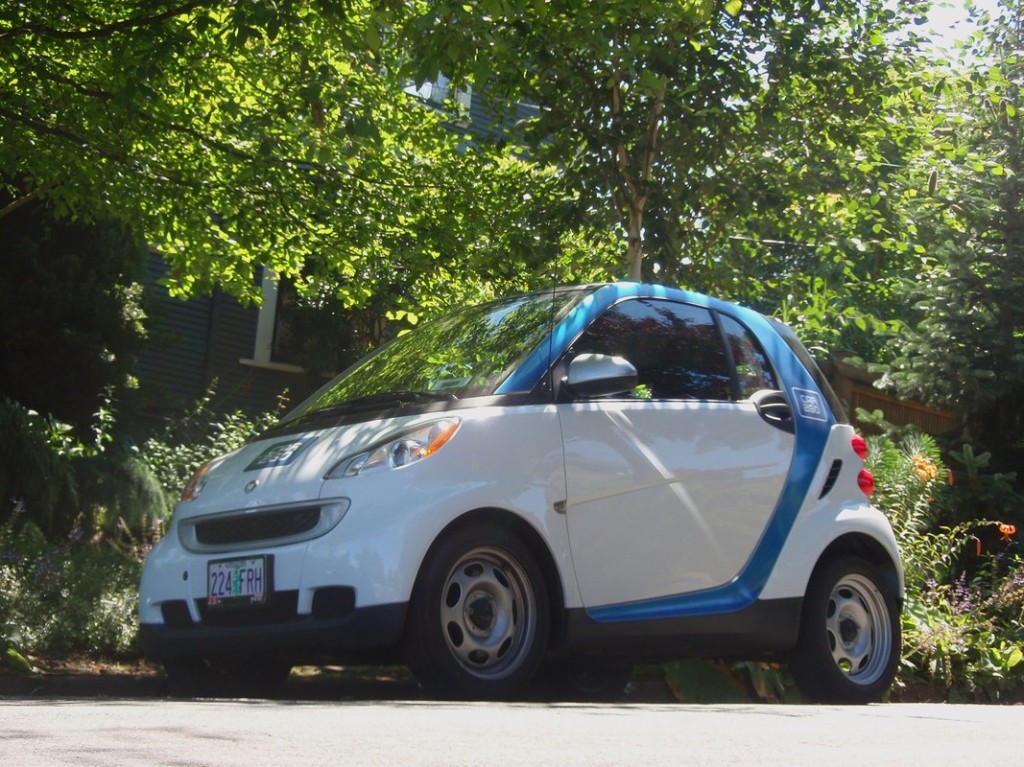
(849, 644)
(479, 621)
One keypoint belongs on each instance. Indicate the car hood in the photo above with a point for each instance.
(287, 469)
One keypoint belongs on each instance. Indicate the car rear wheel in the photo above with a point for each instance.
(479, 621)
(849, 644)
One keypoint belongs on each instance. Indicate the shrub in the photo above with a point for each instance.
(73, 539)
(32, 467)
(77, 596)
(199, 435)
(121, 497)
(962, 623)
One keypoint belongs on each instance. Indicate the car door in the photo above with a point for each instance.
(671, 486)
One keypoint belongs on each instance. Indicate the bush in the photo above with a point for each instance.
(963, 621)
(121, 497)
(73, 539)
(63, 483)
(33, 469)
(200, 435)
(76, 596)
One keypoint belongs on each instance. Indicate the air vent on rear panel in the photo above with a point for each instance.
(833, 475)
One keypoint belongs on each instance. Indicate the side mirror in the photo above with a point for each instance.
(598, 375)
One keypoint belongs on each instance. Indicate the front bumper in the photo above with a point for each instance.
(373, 631)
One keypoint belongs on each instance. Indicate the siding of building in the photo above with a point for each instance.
(196, 342)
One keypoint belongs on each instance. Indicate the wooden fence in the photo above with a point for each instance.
(853, 385)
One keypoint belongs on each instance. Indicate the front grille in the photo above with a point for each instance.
(833, 475)
(263, 526)
(281, 607)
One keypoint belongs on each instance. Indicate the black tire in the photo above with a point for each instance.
(850, 640)
(479, 620)
(193, 677)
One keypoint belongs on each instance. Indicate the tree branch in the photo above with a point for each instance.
(17, 203)
(107, 30)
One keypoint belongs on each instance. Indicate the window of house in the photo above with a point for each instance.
(437, 92)
(274, 344)
(676, 348)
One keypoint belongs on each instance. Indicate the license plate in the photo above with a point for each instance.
(238, 582)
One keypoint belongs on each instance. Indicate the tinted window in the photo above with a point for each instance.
(676, 348)
(753, 370)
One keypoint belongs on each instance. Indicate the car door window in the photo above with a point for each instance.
(753, 371)
(676, 348)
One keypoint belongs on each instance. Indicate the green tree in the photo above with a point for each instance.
(675, 118)
(70, 311)
(233, 135)
(966, 350)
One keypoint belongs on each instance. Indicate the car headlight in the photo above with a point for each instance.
(404, 450)
(196, 484)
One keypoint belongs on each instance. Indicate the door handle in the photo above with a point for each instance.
(773, 407)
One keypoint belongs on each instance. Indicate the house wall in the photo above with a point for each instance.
(193, 343)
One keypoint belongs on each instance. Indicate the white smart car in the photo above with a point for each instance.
(576, 479)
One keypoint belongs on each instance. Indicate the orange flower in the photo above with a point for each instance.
(924, 468)
(1007, 531)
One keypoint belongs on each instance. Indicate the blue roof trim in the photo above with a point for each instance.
(812, 430)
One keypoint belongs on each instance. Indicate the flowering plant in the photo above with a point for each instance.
(963, 621)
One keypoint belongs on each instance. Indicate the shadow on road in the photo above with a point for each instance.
(305, 683)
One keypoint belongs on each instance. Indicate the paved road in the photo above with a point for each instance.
(34, 733)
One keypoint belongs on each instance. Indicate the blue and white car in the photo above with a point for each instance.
(575, 479)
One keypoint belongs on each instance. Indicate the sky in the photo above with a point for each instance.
(949, 20)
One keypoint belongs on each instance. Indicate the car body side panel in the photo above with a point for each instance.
(667, 497)
(842, 511)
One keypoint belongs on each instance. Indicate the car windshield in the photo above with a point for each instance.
(466, 354)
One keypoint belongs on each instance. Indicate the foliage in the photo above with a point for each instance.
(70, 309)
(65, 483)
(964, 348)
(121, 497)
(963, 620)
(73, 587)
(33, 469)
(73, 597)
(697, 125)
(198, 435)
(980, 492)
(235, 135)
